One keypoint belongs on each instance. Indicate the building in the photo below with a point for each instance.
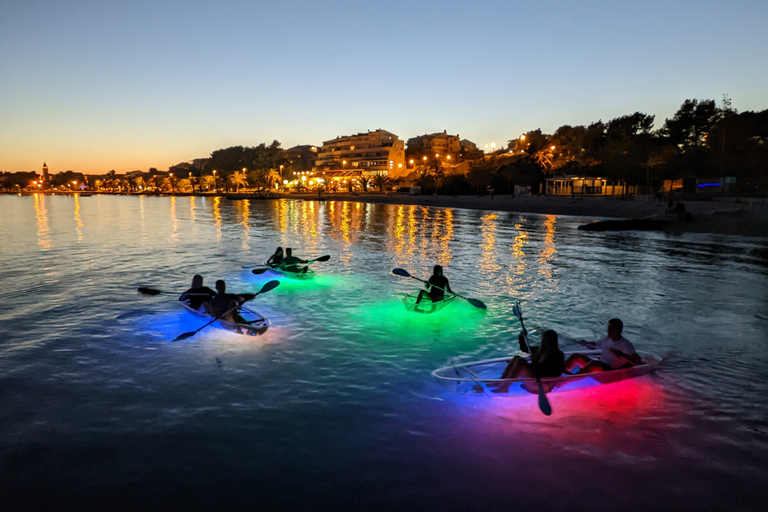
(301, 158)
(366, 154)
(586, 186)
(434, 144)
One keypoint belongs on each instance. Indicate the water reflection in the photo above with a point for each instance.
(41, 215)
(549, 250)
(78, 220)
(217, 216)
(488, 263)
(244, 207)
(174, 220)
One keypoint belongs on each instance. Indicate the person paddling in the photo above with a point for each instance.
(198, 295)
(276, 258)
(436, 286)
(291, 263)
(225, 305)
(615, 352)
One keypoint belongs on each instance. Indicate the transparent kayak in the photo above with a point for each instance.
(482, 377)
(426, 306)
(301, 276)
(254, 326)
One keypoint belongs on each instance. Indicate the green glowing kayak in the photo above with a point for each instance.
(426, 306)
(482, 377)
(301, 276)
(255, 323)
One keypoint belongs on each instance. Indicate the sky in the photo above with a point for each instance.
(92, 86)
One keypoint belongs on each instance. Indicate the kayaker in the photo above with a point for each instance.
(547, 360)
(198, 295)
(225, 305)
(276, 258)
(436, 286)
(616, 352)
(291, 263)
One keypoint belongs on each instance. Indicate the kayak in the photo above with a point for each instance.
(255, 325)
(300, 276)
(426, 306)
(482, 377)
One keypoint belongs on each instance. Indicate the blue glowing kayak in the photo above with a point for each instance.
(255, 323)
(426, 306)
(482, 377)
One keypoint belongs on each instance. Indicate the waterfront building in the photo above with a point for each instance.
(570, 185)
(301, 158)
(434, 144)
(368, 154)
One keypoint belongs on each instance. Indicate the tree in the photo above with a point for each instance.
(381, 181)
(238, 179)
(691, 123)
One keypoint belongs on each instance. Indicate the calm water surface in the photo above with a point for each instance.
(334, 408)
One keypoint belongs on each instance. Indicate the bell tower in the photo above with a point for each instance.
(46, 179)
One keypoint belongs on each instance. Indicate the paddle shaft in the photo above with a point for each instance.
(544, 405)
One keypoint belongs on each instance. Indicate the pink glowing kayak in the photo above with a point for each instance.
(482, 377)
(255, 323)
(426, 306)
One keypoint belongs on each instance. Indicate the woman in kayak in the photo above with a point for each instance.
(276, 258)
(198, 296)
(436, 286)
(547, 360)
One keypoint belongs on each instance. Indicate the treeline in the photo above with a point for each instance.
(701, 140)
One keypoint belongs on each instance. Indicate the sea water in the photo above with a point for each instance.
(334, 408)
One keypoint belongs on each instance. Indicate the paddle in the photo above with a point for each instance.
(269, 285)
(258, 271)
(544, 405)
(474, 302)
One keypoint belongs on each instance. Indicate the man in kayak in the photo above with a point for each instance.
(616, 352)
(198, 296)
(547, 360)
(291, 263)
(436, 286)
(224, 305)
(276, 258)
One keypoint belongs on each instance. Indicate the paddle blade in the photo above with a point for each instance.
(544, 405)
(149, 291)
(477, 303)
(269, 285)
(323, 258)
(185, 336)
(401, 272)
(516, 311)
(258, 271)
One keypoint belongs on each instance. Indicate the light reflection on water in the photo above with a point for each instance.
(336, 399)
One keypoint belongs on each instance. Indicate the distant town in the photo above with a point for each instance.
(703, 149)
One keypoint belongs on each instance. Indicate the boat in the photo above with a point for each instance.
(482, 377)
(299, 276)
(255, 325)
(426, 306)
(648, 224)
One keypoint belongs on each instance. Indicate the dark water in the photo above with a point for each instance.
(334, 408)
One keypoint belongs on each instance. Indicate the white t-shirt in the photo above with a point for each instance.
(608, 357)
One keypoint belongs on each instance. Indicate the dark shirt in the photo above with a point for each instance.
(223, 302)
(437, 294)
(553, 364)
(196, 297)
(275, 260)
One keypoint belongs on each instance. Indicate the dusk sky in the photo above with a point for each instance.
(91, 86)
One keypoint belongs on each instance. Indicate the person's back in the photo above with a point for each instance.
(198, 294)
(276, 258)
(438, 285)
(222, 302)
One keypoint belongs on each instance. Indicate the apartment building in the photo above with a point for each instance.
(366, 154)
(434, 144)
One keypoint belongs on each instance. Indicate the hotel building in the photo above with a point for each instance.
(366, 154)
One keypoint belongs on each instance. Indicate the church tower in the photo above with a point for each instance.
(46, 179)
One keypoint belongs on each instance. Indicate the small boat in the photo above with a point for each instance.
(482, 377)
(625, 225)
(255, 325)
(299, 276)
(426, 306)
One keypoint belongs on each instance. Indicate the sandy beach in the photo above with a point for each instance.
(728, 216)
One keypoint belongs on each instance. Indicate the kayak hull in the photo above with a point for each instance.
(257, 324)
(482, 377)
(298, 276)
(426, 306)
